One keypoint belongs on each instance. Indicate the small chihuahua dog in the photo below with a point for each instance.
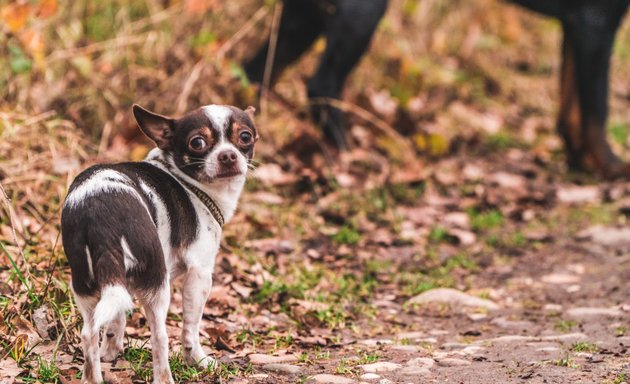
(130, 228)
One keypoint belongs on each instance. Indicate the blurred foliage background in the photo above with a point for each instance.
(433, 65)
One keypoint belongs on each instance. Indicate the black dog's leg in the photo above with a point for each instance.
(348, 33)
(569, 123)
(589, 30)
(301, 23)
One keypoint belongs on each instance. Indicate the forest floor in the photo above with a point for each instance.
(450, 245)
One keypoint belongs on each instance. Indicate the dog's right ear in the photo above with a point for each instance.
(157, 127)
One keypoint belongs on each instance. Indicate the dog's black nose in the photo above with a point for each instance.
(227, 157)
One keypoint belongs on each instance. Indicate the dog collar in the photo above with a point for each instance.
(211, 206)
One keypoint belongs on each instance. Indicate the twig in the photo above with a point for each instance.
(7, 201)
(244, 30)
(120, 41)
(195, 72)
(271, 53)
(182, 99)
(155, 18)
(27, 119)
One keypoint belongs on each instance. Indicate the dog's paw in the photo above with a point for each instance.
(163, 377)
(197, 357)
(206, 362)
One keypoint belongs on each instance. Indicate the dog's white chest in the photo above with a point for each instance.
(202, 252)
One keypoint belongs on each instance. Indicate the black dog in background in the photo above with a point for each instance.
(348, 26)
(589, 28)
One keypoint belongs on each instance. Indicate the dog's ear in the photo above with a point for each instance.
(157, 127)
(250, 113)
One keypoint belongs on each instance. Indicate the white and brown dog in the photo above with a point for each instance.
(130, 228)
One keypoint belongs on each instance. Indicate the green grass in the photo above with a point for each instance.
(501, 141)
(47, 371)
(347, 235)
(484, 221)
(585, 346)
(183, 372)
(438, 235)
(368, 358)
(564, 325)
(565, 362)
(231, 370)
(139, 359)
(619, 132)
(346, 367)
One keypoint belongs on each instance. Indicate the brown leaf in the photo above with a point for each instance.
(196, 7)
(15, 15)
(46, 8)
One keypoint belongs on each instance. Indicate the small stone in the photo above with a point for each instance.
(573, 288)
(405, 348)
(452, 346)
(259, 376)
(381, 366)
(477, 316)
(452, 296)
(385, 381)
(415, 371)
(552, 308)
(283, 368)
(560, 278)
(451, 362)
(370, 376)
(423, 362)
(375, 342)
(511, 339)
(260, 359)
(410, 335)
(548, 349)
(502, 322)
(607, 236)
(576, 194)
(471, 350)
(568, 337)
(325, 378)
(589, 312)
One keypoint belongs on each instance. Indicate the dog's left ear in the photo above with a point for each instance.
(250, 113)
(157, 127)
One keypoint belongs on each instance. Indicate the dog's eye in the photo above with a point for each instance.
(197, 143)
(245, 137)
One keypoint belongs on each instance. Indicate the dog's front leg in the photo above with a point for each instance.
(156, 308)
(197, 285)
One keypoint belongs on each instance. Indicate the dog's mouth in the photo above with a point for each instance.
(227, 174)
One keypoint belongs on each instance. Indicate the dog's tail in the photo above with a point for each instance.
(114, 300)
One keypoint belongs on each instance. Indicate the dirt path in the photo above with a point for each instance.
(558, 320)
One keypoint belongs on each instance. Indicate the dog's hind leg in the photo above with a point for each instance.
(589, 31)
(348, 34)
(89, 341)
(197, 285)
(156, 309)
(112, 342)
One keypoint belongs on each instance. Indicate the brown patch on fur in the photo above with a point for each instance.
(570, 119)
